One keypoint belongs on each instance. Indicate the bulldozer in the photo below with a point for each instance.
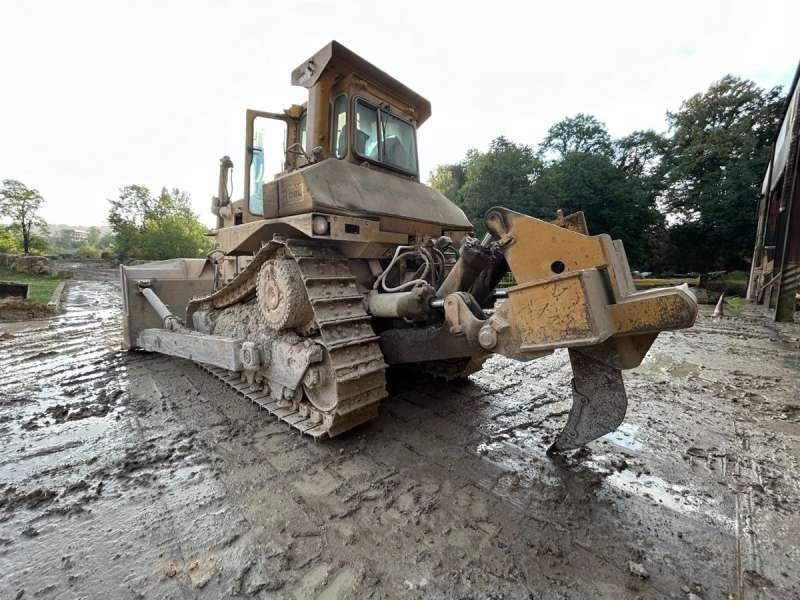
(344, 265)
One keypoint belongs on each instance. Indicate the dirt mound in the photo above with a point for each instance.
(35, 265)
(17, 309)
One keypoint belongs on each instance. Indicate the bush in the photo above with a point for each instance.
(87, 250)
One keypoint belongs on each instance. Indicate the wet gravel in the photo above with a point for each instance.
(140, 476)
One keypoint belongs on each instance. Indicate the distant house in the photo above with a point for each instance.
(75, 235)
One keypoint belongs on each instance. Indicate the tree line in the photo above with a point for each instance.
(681, 201)
(143, 225)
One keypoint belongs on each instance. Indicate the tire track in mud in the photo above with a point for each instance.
(64, 369)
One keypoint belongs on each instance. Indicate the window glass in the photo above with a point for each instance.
(267, 158)
(398, 143)
(340, 126)
(384, 138)
(257, 174)
(366, 142)
(303, 131)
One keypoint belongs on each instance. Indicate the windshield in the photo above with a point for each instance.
(384, 138)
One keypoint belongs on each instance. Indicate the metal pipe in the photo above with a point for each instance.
(170, 321)
(400, 305)
(439, 302)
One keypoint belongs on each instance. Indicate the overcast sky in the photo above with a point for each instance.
(97, 95)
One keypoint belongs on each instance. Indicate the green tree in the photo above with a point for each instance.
(581, 133)
(499, 177)
(717, 157)
(93, 236)
(640, 153)
(9, 240)
(21, 204)
(161, 227)
(448, 179)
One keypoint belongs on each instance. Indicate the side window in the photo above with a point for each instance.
(303, 131)
(366, 132)
(340, 126)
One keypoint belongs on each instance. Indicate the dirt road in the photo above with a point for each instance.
(140, 476)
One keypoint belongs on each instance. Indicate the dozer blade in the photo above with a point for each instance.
(599, 402)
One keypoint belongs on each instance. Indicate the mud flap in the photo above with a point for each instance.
(599, 402)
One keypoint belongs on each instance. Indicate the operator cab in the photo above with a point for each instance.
(355, 112)
(350, 150)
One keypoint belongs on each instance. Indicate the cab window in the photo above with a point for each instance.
(384, 138)
(339, 136)
(366, 142)
(303, 131)
(399, 148)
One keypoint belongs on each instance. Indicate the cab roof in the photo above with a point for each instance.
(335, 55)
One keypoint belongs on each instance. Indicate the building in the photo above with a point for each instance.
(75, 235)
(775, 271)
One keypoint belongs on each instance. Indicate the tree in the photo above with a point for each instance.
(714, 167)
(162, 227)
(639, 154)
(581, 133)
(448, 179)
(93, 236)
(616, 184)
(500, 177)
(9, 240)
(21, 204)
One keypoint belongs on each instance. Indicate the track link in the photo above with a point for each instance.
(304, 423)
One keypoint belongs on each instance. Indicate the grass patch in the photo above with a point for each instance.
(40, 288)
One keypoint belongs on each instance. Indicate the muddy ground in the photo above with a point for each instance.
(140, 476)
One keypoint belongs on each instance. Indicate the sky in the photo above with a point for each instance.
(98, 95)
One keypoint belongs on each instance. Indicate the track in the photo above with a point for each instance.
(354, 359)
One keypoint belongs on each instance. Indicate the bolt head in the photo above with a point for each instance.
(487, 338)
(250, 356)
(312, 378)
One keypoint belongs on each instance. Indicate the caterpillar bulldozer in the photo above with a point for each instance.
(345, 264)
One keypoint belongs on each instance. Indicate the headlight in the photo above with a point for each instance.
(320, 225)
